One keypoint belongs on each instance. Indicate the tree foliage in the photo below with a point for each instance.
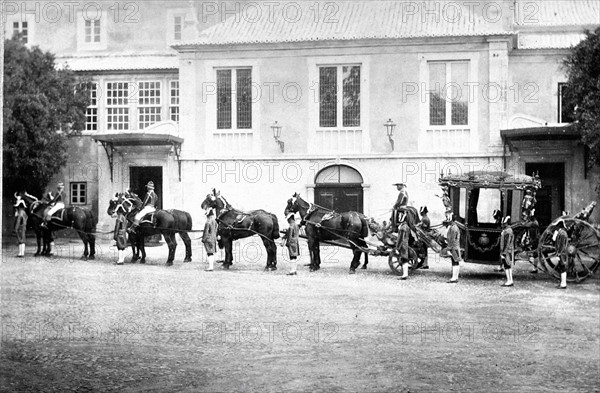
(583, 91)
(39, 101)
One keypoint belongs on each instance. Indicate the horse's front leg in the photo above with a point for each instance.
(142, 248)
(92, 240)
(228, 253)
(38, 238)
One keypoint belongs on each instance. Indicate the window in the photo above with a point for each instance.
(22, 29)
(91, 113)
(242, 116)
(78, 193)
(117, 106)
(92, 30)
(174, 101)
(447, 117)
(565, 112)
(448, 98)
(149, 109)
(349, 107)
(177, 27)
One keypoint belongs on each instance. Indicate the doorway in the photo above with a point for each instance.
(139, 176)
(551, 197)
(339, 188)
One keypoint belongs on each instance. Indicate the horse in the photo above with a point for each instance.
(80, 219)
(234, 225)
(324, 224)
(164, 222)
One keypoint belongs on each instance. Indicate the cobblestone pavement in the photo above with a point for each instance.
(73, 325)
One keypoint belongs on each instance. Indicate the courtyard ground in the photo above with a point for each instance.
(73, 325)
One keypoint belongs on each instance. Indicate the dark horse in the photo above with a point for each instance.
(165, 222)
(80, 219)
(235, 224)
(324, 224)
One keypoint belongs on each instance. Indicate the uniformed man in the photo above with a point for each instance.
(209, 238)
(400, 205)
(425, 224)
(507, 250)
(402, 245)
(561, 240)
(55, 204)
(20, 225)
(148, 205)
(453, 236)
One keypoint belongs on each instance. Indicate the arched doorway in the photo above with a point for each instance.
(339, 187)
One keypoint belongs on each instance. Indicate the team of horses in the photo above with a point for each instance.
(321, 225)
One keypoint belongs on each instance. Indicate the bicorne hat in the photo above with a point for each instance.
(150, 185)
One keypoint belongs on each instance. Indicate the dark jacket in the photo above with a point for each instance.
(291, 240)
(209, 237)
(151, 199)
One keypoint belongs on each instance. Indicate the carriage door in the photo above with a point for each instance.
(551, 197)
(139, 176)
(339, 188)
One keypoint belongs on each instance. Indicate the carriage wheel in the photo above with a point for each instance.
(394, 261)
(583, 250)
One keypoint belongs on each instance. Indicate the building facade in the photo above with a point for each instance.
(360, 95)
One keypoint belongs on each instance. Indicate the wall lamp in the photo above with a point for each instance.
(277, 134)
(389, 128)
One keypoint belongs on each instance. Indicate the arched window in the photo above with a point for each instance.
(339, 187)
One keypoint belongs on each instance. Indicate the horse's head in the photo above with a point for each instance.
(292, 205)
(210, 201)
(30, 202)
(112, 205)
(121, 203)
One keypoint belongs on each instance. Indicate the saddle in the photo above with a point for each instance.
(58, 215)
(329, 216)
(149, 218)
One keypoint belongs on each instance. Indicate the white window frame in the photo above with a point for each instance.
(315, 138)
(141, 107)
(473, 113)
(125, 106)
(81, 31)
(210, 100)
(76, 200)
(93, 106)
(174, 100)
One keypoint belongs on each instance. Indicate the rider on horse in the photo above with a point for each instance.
(148, 206)
(55, 204)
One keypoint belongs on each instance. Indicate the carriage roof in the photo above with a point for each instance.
(483, 179)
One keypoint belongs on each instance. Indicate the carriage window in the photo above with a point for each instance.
(79, 193)
(490, 199)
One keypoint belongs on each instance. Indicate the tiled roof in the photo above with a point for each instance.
(549, 40)
(120, 62)
(558, 13)
(344, 20)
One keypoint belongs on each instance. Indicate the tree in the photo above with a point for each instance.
(583, 92)
(43, 106)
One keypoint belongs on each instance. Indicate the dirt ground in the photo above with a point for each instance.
(72, 325)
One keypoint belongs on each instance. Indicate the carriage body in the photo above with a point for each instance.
(473, 198)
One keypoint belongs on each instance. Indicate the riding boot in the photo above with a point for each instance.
(22, 246)
(51, 251)
(121, 257)
(404, 270)
(293, 264)
(455, 270)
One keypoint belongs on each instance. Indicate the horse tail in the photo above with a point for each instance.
(275, 232)
(90, 222)
(365, 227)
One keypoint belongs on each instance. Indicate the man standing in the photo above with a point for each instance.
(561, 240)
(209, 238)
(291, 242)
(20, 225)
(400, 205)
(453, 236)
(507, 250)
(148, 206)
(425, 225)
(402, 245)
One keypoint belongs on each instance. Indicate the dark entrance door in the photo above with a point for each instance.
(139, 176)
(339, 188)
(342, 198)
(551, 197)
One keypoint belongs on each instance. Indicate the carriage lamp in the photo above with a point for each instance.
(389, 128)
(276, 134)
